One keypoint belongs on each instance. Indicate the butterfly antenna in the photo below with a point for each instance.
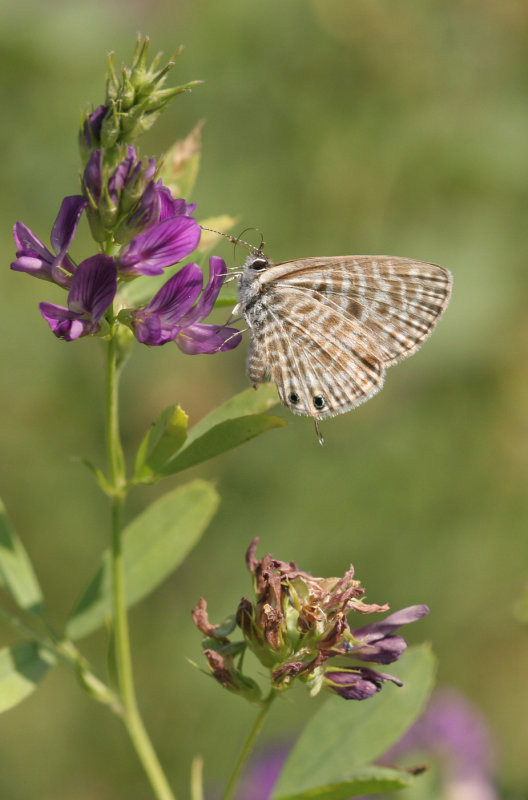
(319, 435)
(237, 240)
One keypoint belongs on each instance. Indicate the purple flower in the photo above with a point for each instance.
(377, 641)
(129, 178)
(34, 258)
(92, 290)
(356, 683)
(155, 205)
(174, 313)
(91, 129)
(129, 201)
(160, 246)
(170, 206)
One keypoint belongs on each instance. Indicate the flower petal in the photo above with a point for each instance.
(93, 287)
(217, 275)
(148, 330)
(357, 684)
(178, 294)
(170, 206)
(201, 338)
(121, 174)
(385, 651)
(65, 324)
(66, 223)
(32, 265)
(160, 246)
(26, 240)
(92, 179)
(378, 630)
(93, 124)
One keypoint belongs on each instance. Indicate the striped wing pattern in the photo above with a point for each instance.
(328, 327)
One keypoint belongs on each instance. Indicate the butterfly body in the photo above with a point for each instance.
(326, 329)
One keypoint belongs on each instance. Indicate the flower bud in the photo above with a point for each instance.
(110, 129)
(90, 133)
(356, 684)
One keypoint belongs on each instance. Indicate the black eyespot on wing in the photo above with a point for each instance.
(319, 401)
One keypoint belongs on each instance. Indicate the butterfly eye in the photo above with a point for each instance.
(319, 401)
(259, 263)
(294, 398)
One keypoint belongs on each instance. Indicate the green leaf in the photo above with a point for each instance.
(162, 441)
(247, 402)
(154, 545)
(345, 736)
(15, 567)
(22, 667)
(222, 437)
(368, 780)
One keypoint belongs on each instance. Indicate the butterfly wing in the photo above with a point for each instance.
(395, 301)
(319, 358)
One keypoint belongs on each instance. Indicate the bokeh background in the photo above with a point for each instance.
(335, 126)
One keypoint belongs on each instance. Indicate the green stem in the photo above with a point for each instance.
(67, 652)
(116, 461)
(131, 716)
(197, 778)
(248, 746)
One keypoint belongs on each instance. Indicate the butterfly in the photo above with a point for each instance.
(326, 329)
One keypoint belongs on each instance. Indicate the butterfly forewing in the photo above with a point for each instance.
(398, 300)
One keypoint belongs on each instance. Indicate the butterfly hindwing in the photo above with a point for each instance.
(320, 360)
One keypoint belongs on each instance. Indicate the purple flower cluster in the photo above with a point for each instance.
(156, 231)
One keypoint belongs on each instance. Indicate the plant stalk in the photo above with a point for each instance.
(131, 716)
(248, 746)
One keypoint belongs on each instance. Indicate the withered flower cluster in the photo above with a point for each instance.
(297, 626)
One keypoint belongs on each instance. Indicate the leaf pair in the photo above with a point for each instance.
(167, 447)
(156, 542)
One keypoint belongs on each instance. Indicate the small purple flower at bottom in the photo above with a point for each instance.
(92, 291)
(34, 258)
(174, 314)
(356, 683)
(377, 642)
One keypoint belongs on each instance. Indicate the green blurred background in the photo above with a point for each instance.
(335, 126)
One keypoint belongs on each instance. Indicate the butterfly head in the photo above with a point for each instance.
(257, 262)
